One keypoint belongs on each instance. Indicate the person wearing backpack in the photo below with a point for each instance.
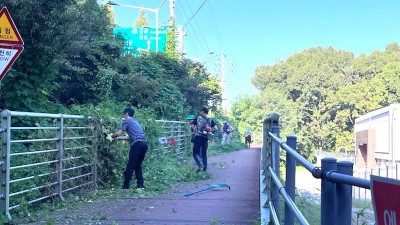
(193, 126)
(226, 133)
(247, 137)
(200, 145)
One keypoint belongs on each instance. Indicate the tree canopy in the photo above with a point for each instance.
(320, 91)
(72, 57)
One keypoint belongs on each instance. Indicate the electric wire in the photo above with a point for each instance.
(200, 30)
(193, 42)
(196, 36)
(195, 13)
(216, 27)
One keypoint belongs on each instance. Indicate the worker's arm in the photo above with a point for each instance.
(117, 134)
(123, 137)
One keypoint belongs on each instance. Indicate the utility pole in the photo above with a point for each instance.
(180, 33)
(172, 9)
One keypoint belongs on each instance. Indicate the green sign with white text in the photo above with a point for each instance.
(139, 39)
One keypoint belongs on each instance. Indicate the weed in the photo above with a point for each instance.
(361, 218)
(362, 204)
(102, 216)
(214, 221)
(160, 171)
(221, 165)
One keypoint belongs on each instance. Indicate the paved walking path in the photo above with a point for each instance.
(240, 205)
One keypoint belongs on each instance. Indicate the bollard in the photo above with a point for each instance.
(344, 195)
(276, 167)
(328, 193)
(290, 178)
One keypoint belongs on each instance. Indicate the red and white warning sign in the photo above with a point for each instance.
(11, 43)
(8, 55)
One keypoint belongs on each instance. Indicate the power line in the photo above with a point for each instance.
(198, 28)
(196, 49)
(195, 14)
(216, 27)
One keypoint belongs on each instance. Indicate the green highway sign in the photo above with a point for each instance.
(139, 39)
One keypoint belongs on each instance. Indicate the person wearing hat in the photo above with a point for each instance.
(226, 133)
(205, 125)
(192, 121)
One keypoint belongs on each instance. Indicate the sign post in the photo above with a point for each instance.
(11, 43)
(386, 200)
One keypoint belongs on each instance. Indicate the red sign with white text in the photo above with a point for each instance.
(386, 199)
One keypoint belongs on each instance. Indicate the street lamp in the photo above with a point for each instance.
(144, 8)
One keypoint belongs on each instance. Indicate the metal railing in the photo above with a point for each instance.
(177, 136)
(44, 156)
(387, 170)
(336, 181)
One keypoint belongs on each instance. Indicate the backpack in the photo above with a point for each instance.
(203, 124)
(229, 130)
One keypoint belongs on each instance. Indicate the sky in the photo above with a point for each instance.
(264, 32)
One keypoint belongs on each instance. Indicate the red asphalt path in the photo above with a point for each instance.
(240, 205)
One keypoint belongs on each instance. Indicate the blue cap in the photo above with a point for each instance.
(190, 117)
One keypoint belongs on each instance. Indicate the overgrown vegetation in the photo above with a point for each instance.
(112, 158)
(71, 57)
(72, 64)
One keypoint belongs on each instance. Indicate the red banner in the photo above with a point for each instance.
(386, 199)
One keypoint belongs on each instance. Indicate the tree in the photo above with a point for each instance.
(306, 78)
(169, 86)
(170, 45)
(141, 21)
(67, 43)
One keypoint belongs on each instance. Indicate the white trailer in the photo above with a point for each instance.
(377, 138)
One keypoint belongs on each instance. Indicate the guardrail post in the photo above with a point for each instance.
(266, 159)
(290, 182)
(94, 159)
(265, 187)
(328, 193)
(60, 156)
(5, 158)
(276, 168)
(344, 195)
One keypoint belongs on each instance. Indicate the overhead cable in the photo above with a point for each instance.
(195, 13)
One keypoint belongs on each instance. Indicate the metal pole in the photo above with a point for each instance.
(6, 159)
(3, 160)
(60, 157)
(290, 182)
(328, 198)
(275, 166)
(171, 9)
(344, 195)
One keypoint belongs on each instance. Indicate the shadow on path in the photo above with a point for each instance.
(240, 205)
